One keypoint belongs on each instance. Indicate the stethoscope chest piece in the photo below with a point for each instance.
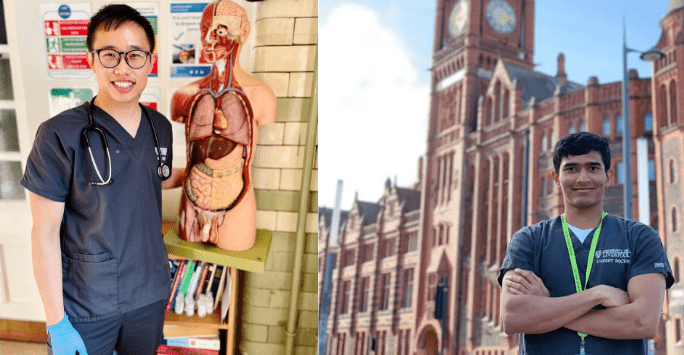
(164, 171)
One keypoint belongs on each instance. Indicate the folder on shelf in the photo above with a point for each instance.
(253, 260)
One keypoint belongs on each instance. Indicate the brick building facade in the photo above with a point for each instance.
(492, 126)
(375, 273)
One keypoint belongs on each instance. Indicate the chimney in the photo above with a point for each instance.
(561, 69)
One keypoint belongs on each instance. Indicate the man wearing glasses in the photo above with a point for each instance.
(98, 255)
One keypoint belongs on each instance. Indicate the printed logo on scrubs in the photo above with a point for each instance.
(617, 256)
(163, 153)
(659, 265)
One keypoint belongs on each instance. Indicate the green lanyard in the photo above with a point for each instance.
(573, 260)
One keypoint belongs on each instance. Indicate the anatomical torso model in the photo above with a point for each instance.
(222, 113)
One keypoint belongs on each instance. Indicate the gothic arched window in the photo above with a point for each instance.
(496, 117)
(663, 119)
(674, 219)
(673, 102)
(505, 103)
(675, 269)
(489, 111)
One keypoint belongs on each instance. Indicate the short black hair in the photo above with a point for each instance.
(581, 143)
(115, 15)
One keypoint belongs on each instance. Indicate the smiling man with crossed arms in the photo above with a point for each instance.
(545, 294)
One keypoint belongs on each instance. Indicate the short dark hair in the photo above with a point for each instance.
(115, 15)
(581, 143)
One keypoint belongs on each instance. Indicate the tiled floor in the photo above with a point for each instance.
(9, 347)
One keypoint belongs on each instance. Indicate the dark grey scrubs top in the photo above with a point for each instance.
(625, 249)
(113, 256)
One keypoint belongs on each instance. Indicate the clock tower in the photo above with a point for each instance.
(470, 37)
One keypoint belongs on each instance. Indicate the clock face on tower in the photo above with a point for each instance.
(500, 16)
(458, 17)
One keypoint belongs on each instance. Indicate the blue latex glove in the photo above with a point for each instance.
(64, 339)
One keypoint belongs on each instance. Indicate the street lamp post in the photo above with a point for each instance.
(651, 55)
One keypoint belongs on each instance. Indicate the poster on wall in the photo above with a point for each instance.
(150, 97)
(151, 12)
(62, 98)
(65, 29)
(184, 36)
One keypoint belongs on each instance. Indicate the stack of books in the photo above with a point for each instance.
(194, 278)
(190, 346)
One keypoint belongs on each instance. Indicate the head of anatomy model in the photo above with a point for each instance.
(224, 27)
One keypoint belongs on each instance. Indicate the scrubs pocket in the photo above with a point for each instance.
(90, 286)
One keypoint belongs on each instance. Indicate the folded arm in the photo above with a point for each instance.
(638, 319)
(527, 308)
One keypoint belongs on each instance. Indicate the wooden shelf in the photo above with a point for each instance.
(253, 260)
(210, 321)
(180, 249)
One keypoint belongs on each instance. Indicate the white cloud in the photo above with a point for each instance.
(373, 110)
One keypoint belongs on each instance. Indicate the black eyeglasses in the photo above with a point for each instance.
(110, 58)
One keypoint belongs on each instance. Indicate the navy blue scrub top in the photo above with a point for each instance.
(625, 249)
(113, 255)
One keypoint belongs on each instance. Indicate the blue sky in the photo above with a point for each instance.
(381, 99)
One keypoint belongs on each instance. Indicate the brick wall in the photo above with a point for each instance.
(286, 35)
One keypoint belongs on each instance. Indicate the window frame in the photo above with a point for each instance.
(14, 156)
(385, 291)
(619, 124)
(648, 123)
(18, 105)
(346, 290)
(606, 125)
(363, 304)
(412, 242)
(408, 289)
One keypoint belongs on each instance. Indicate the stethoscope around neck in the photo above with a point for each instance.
(163, 171)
